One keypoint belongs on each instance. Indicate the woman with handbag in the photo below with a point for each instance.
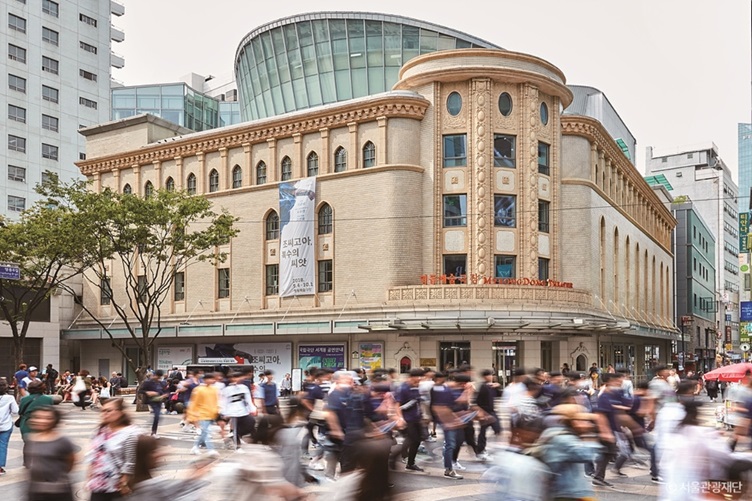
(35, 399)
(8, 407)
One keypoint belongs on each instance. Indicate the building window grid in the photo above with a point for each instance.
(369, 155)
(50, 123)
(213, 181)
(17, 83)
(16, 204)
(16, 113)
(105, 292)
(543, 267)
(544, 210)
(49, 151)
(340, 160)
(51, 8)
(179, 286)
(455, 210)
(325, 219)
(237, 177)
(87, 47)
(505, 211)
(16, 173)
(506, 266)
(544, 165)
(223, 283)
(191, 184)
(261, 173)
(272, 226)
(16, 23)
(87, 75)
(455, 150)
(272, 279)
(170, 184)
(326, 274)
(52, 37)
(50, 65)
(16, 53)
(16, 143)
(505, 151)
(50, 94)
(286, 169)
(312, 164)
(87, 20)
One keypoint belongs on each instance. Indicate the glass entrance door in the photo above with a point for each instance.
(505, 361)
(454, 354)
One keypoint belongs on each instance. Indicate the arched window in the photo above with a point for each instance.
(261, 173)
(616, 268)
(627, 274)
(312, 163)
(369, 155)
(645, 282)
(148, 190)
(237, 177)
(191, 184)
(602, 289)
(170, 184)
(286, 169)
(340, 159)
(406, 365)
(127, 190)
(325, 219)
(213, 181)
(638, 292)
(272, 226)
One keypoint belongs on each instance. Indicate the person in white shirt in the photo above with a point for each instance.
(236, 405)
(8, 407)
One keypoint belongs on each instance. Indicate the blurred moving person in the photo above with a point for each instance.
(51, 457)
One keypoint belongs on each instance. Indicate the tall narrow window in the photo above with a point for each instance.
(148, 190)
(325, 219)
(505, 151)
(455, 150)
(272, 226)
(340, 159)
(543, 264)
(617, 265)
(261, 173)
(191, 184)
(223, 283)
(544, 161)
(326, 274)
(105, 292)
(544, 209)
(213, 181)
(455, 210)
(142, 289)
(272, 279)
(505, 211)
(627, 274)
(312, 164)
(170, 184)
(237, 177)
(286, 169)
(602, 252)
(179, 287)
(369, 155)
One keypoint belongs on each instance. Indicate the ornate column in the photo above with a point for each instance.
(480, 192)
(527, 199)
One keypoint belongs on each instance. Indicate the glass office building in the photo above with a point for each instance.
(308, 60)
(745, 166)
(177, 103)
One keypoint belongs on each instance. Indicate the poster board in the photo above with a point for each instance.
(173, 356)
(371, 355)
(276, 357)
(323, 356)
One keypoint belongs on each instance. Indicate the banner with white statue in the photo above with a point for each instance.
(297, 256)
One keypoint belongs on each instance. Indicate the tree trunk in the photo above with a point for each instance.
(18, 359)
(141, 405)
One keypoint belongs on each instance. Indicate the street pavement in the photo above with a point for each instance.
(408, 486)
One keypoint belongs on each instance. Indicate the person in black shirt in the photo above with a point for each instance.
(154, 392)
(487, 394)
(408, 398)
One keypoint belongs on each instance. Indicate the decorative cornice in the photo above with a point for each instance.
(386, 106)
(593, 130)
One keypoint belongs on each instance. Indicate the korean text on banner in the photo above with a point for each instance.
(297, 262)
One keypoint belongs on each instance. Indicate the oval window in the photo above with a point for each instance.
(505, 104)
(454, 103)
(544, 113)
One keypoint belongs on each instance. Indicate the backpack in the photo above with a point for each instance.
(52, 375)
(123, 382)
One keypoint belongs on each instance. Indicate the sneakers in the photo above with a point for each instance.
(483, 456)
(601, 482)
(452, 474)
(195, 451)
(457, 466)
(155, 436)
(213, 454)
(316, 466)
(657, 480)
(619, 473)
(2, 471)
(413, 467)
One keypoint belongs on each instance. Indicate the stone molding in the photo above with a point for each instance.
(467, 292)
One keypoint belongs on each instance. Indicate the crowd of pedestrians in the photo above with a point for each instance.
(546, 435)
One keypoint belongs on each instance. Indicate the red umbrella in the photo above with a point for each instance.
(729, 373)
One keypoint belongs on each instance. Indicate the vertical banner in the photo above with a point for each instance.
(371, 356)
(297, 261)
(743, 230)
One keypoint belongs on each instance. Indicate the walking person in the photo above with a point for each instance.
(267, 395)
(50, 379)
(81, 390)
(442, 403)
(203, 410)
(8, 407)
(486, 398)
(154, 392)
(112, 455)
(408, 398)
(35, 399)
(51, 457)
(237, 407)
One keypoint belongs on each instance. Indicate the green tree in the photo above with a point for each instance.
(47, 242)
(139, 244)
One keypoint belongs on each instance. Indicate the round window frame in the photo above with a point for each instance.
(511, 104)
(449, 105)
(544, 116)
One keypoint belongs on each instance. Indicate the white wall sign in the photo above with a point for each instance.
(173, 356)
(276, 357)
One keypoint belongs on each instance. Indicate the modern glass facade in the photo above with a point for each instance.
(745, 166)
(313, 59)
(177, 103)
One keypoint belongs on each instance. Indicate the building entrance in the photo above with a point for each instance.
(454, 354)
(505, 361)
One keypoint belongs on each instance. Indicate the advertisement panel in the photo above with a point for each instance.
(744, 331)
(273, 356)
(743, 230)
(323, 356)
(173, 356)
(297, 259)
(745, 311)
(371, 355)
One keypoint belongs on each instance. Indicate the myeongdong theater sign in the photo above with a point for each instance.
(474, 279)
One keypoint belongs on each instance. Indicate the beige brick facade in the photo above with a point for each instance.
(389, 225)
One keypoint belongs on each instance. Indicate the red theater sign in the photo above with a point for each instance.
(474, 279)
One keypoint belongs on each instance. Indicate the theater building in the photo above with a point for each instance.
(459, 216)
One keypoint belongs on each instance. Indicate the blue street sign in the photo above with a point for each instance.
(10, 271)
